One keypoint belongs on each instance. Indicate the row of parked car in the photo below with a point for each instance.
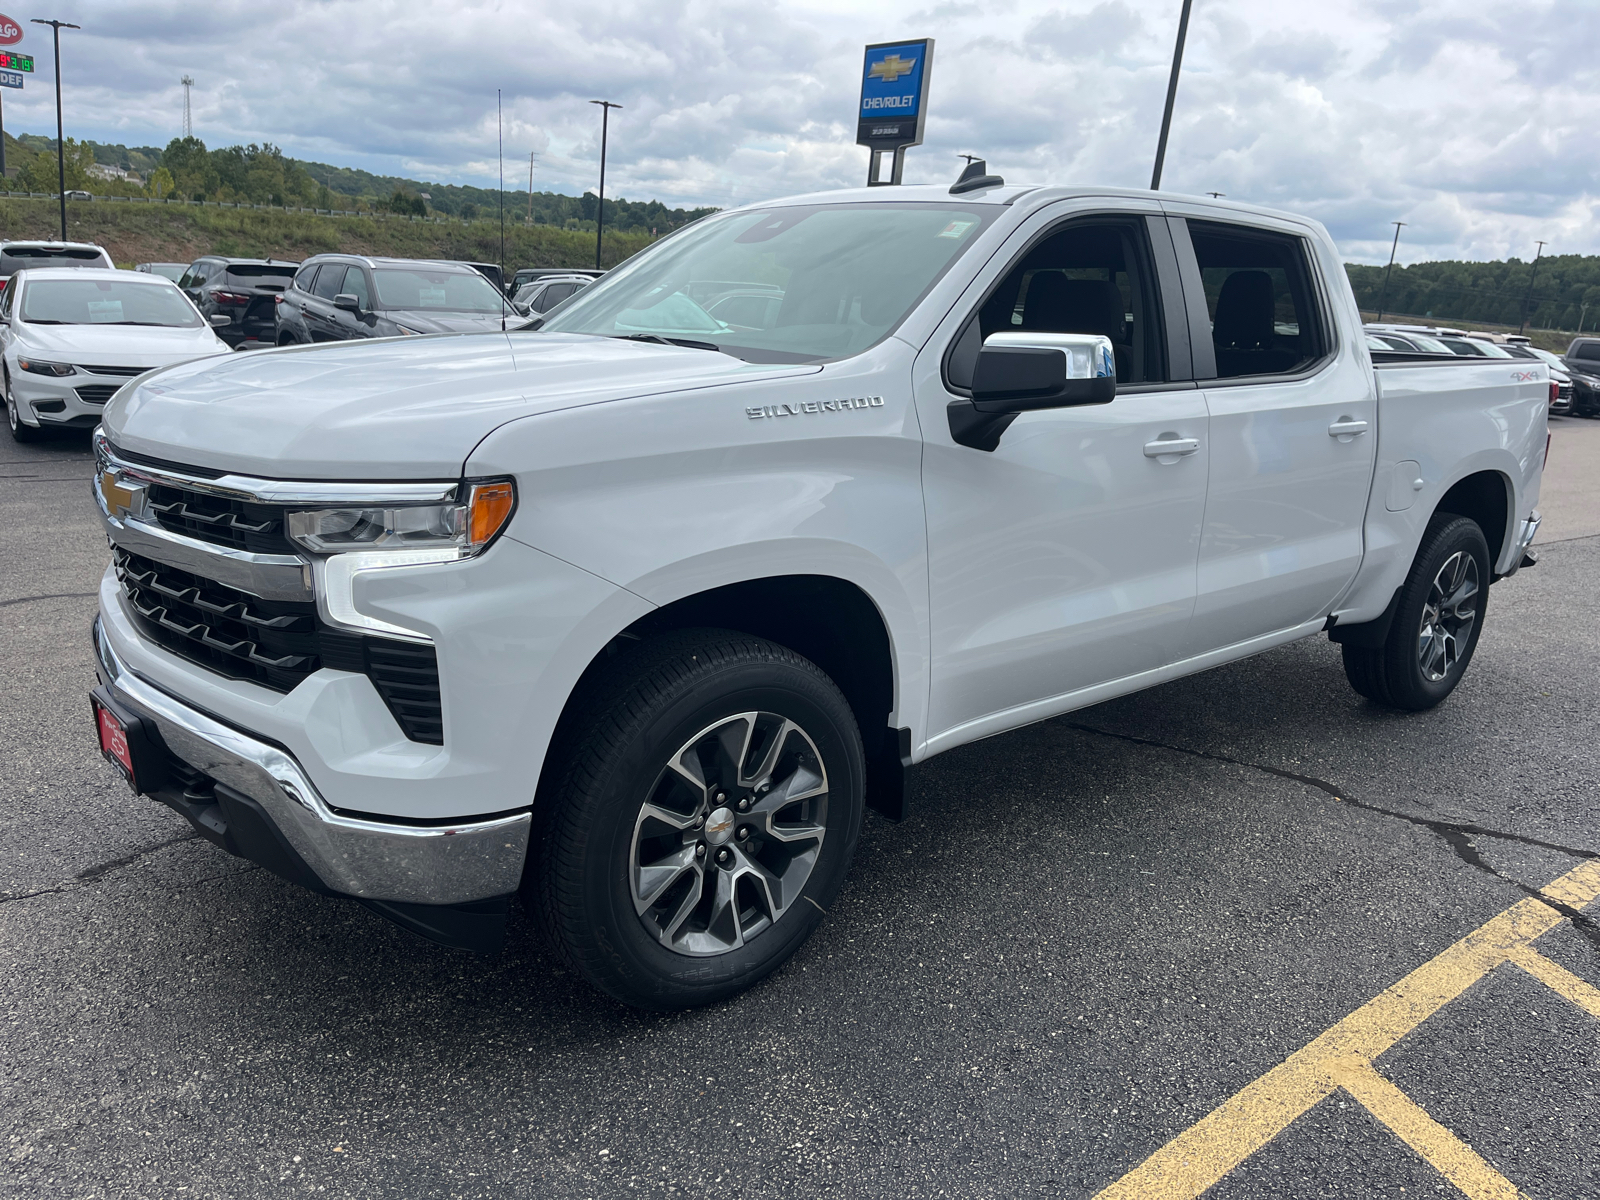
(1575, 374)
(73, 328)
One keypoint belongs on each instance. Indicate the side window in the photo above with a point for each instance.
(329, 280)
(302, 281)
(1264, 316)
(1087, 277)
(355, 282)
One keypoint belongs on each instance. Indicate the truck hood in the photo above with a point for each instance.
(117, 345)
(432, 321)
(395, 408)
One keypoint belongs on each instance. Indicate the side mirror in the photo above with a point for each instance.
(220, 319)
(347, 301)
(1027, 372)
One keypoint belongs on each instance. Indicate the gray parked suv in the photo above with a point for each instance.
(339, 297)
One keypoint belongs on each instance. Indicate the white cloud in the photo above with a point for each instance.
(1470, 120)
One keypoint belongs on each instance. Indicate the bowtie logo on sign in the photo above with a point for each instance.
(891, 68)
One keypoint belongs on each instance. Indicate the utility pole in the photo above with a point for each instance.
(188, 121)
(600, 209)
(1582, 312)
(1532, 275)
(1217, 195)
(1383, 297)
(1172, 95)
(971, 158)
(500, 132)
(61, 141)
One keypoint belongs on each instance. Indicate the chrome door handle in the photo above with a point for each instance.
(1173, 448)
(1346, 427)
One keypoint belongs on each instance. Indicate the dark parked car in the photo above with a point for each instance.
(337, 297)
(490, 271)
(533, 274)
(172, 271)
(245, 290)
(1583, 364)
(14, 256)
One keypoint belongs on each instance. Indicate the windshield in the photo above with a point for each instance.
(419, 288)
(106, 302)
(1428, 344)
(800, 284)
(172, 271)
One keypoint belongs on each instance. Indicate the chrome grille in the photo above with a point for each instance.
(124, 372)
(236, 524)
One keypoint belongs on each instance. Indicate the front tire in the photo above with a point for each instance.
(21, 431)
(1437, 622)
(705, 819)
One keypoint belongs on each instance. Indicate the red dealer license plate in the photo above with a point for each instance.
(114, 742)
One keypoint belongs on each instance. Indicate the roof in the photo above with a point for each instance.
(378, 261)
(94, 273)
(53, 245)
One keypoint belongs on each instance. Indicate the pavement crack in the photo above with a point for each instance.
(1458, 836)
(50, 596)
(128, 859)
(95, 873)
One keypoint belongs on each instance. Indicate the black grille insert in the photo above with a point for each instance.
(276, 643)
(97, 393)
(237, 524)
(124, 372)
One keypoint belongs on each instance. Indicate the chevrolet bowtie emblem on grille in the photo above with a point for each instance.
(891, 68)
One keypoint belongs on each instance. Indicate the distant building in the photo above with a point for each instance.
(106, 171)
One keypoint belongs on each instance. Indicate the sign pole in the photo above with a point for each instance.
(1172, 95)
(894, 104)
(1383, 298)
(600, 209)
(61, 141)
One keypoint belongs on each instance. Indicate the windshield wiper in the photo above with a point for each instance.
(47, 321)
(686, 343)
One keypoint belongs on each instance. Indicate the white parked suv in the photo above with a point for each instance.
(70, 337)
(640, 610)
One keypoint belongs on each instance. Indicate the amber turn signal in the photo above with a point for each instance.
(488, 510)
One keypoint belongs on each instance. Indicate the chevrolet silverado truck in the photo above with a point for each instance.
(639, 609)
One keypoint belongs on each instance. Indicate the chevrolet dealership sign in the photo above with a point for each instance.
(894, 94)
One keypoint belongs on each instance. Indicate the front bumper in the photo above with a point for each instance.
(53, 402)
(444, 880)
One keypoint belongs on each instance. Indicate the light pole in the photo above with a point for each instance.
(1172, 94)
(61, 142)
(1532, 275)
(600, 209)
(1383, 297)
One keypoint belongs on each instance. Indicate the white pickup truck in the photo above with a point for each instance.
(639, 610)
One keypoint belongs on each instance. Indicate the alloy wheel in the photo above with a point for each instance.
(1448, 616)
(729, 834)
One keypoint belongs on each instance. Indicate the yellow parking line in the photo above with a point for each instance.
(1443, 1150)
(1558, 979)
(1205, 1152)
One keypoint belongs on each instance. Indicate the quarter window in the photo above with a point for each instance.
(1264, 318)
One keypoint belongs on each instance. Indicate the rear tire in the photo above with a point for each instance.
(1437, 622)
(704, 820)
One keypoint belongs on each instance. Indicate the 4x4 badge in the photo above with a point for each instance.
(813, 406)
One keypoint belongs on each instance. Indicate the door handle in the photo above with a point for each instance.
(1171, 448)
(1346, 428)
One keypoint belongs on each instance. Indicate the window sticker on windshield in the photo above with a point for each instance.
(104, 311)
(956, 229)
(430, 297)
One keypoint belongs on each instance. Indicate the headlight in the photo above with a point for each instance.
(46, 368)
(465, 525)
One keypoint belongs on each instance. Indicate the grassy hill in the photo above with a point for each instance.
(135, 233)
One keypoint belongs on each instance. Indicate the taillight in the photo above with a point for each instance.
(1555, 391)
(277, 299)
(230, 298)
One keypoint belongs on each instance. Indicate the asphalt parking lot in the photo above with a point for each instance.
(1243, 932)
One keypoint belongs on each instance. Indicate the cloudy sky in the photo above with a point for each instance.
(1477, 122)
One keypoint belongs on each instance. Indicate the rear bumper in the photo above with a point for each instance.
(448, 881)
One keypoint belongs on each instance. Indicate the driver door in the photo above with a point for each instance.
(1064, 558)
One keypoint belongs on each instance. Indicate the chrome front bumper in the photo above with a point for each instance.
(370, 860)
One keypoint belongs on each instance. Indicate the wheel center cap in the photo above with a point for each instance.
(719, 826)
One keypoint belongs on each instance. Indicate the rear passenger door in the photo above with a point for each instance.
(1293, 422)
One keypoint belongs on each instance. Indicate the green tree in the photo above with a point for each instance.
(160, 184)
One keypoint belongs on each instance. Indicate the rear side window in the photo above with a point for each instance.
(1264, 315)
(1588, 351)
(304, 279)
(329, 281)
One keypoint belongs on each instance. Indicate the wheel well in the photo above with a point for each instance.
(831, 622)
(1484, 497)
